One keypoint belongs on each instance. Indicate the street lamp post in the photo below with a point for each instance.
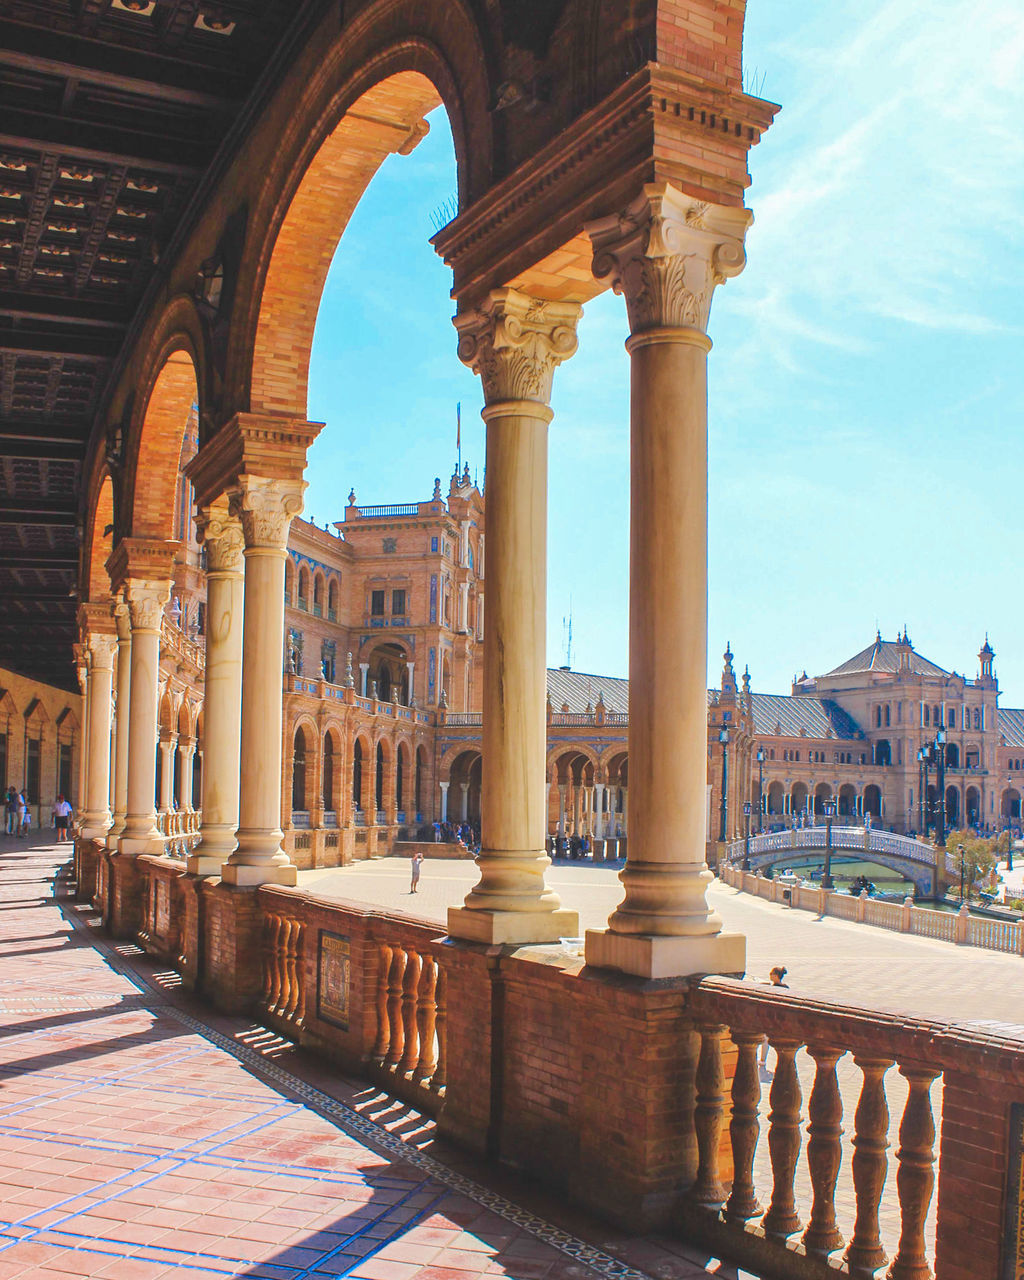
(1009, 823)
(925, 756)
(940, 754)
(746, 839)
(960, 851)
(723, 738)
(826, 879)
(922, 786)
(760, 790)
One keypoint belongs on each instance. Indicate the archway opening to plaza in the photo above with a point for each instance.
(847, 803)
(822, 795)
(873, 800)
(302, 760)
(388, 672)
(465, 779)
(952, 807)
(1009, 806)
(331, 771)
(402, 770)
(100, 542)
(776, 799)
(798, 798)
(161, 497)
(972, 806)
(420, 781)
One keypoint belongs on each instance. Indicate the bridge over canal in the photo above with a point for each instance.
(916, 860)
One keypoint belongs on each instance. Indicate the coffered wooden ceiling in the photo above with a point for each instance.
(111, 111)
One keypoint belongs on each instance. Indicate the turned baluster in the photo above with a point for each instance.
(410, 998)
(824, 1151)
(282, 963)
(915, 1175)
(870, 1143)
(269, 925)
(380, 1046)
(426, 1017)
(293, 1007)
(707, 1116)
(396, 1044)
(440, 1077)
(744, 1127)
(276, 925)
(782, 1218)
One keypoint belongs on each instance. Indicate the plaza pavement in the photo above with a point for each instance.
(835, 960)
(142, 1136)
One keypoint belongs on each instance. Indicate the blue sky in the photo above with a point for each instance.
(867, 379)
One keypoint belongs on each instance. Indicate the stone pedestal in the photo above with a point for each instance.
(124, 905)
(232, 931)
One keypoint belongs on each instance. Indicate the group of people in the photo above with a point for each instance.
(576, 846)
(460, 833)
(18, 815)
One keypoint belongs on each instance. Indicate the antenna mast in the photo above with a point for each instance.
(567, 628)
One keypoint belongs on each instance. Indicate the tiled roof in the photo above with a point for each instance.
(577, 688)
(779, 713)
(1011, 725)
(883, 655)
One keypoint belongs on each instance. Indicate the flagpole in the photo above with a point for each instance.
(458, 432)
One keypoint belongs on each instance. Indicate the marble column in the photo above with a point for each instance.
(444, 801)
(96, 818)
(82, 669)
(122, 622)
(186, 750)
(167, 748)
(266, 508)
(465, 801)
(364, 668)
(222, 536)
(562, 789)
(411, 668)
(665, 254)
(515, 342)
(599, 822)
(146, 599)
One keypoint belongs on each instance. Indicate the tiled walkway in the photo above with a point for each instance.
(141, 1136)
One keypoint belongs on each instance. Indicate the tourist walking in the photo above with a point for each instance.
(11, 811)
(61, 818)
(24, 816)
(417, 862)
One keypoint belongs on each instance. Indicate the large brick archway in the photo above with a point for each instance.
(152, 477)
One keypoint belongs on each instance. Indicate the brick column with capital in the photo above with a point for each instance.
(665, 254)
(515, 343)
(122, 623)
(221, 533)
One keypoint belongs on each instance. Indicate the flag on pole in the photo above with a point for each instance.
(458, 426)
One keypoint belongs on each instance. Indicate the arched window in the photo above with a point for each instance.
(332, 600)
(977, 718)
(318, 596)
(887, 715)
(328, 773)
(380, 776)
(927, 715)
(289, 580)
(357, 773)
(304, 588)
(299, 773)
(400, 780)
(878, 717)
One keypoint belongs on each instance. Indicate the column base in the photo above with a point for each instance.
(650, 956)
(208, 864)
(133, 843)
(512, 927)
(249, 877)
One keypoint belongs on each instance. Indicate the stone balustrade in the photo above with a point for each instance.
(901, 917)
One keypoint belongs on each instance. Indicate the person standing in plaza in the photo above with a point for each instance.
(24, 816)
(61, 818)
(777, 978)
(11, 811)
(417, 862)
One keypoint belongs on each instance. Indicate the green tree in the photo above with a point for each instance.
(979, 855)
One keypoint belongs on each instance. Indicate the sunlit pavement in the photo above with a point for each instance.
(827, 959)
(142, 1136)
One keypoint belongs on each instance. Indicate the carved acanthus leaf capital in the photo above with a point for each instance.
(102, 647)
(221, 533)
(266, 508)
(146, 601)
(122, 619)
(514, 342)
(666, 253)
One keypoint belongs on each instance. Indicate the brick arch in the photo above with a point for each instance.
(331, 187)
(98, 542)
(156, 443)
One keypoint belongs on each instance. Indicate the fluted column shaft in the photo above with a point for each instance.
(167, 746)
(515, 342)
(146, 600)
(222, 704)
(122, 622)
(82, 668)
(665, 254)
(265, 508)
(96, 819)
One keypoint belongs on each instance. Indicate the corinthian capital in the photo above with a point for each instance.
(122, 618)
(102, 647)
(514, 343)
(146, 599)
(666, 253)
(266, 509)
(221, 533)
